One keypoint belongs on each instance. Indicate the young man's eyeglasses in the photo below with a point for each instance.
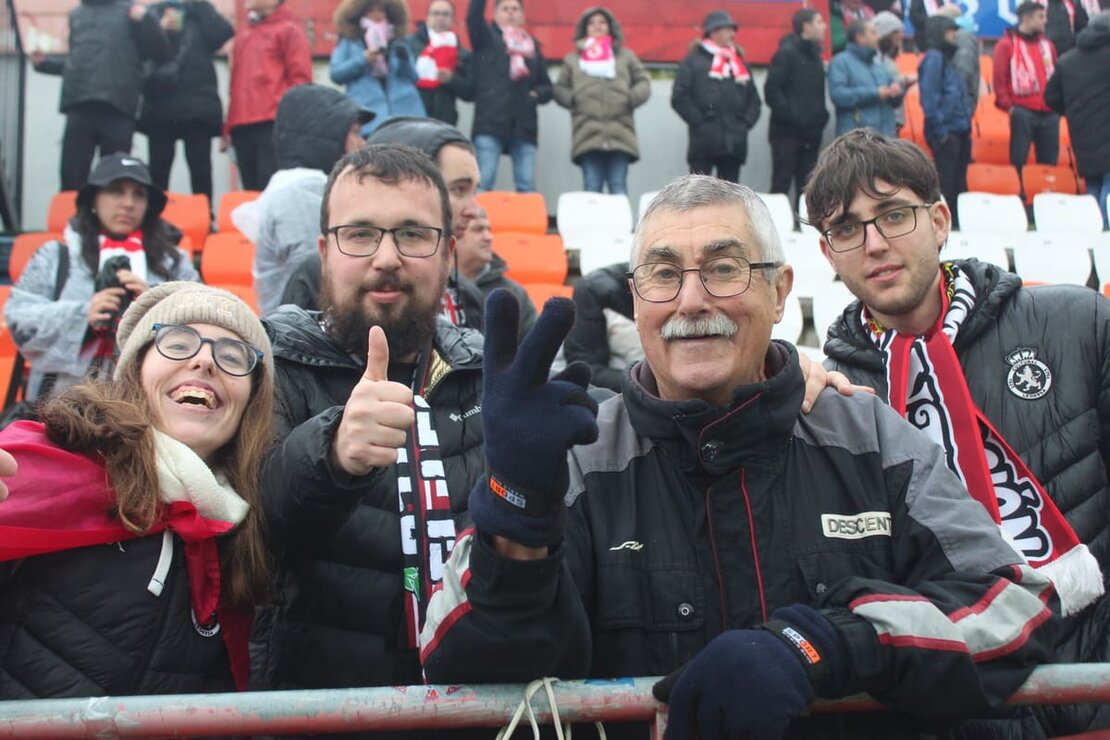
(890, 224)
(361, 240)
(177, 342)
(723, 277)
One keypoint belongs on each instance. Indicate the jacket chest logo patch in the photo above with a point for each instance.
(1028, 378)
(856, 526)
(211, 629)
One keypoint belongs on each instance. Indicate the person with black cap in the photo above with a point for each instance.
(715, 95)
(314, 127)
(947, 107)
(62, 311)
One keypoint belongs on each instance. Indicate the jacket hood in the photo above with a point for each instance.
(866, 53)
(794, 42)
(614, 25)
(349, 12)
(935, 29)
(311, 126)
(1097, 32)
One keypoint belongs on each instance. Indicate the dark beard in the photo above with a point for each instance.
(408, 333)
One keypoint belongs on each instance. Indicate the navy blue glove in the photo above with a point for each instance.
(751, 683)
(529, 423)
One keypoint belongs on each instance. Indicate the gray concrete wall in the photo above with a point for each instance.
(662, 144)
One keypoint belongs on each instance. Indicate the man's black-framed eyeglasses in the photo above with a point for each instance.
(179, 342)
(890, 224)
(363, 240)
(723, 277)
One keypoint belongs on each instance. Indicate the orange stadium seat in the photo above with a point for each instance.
(507, 211)
(227, 259)
(908, 62)
(990, 150)
(532, 258)
(1001, 179)
(986, 70)
(62, 207)
(246, 292)
(23, 247)
(1044, 178)
(190, 214)
(229, 202)
(540, 292)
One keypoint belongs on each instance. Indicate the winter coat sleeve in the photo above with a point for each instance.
(289, 230)
(753, 105)
(48, 332)
(52, 64)
(776, 89)
(1003, 87)
(931, 81)
(215, 29)
(588, 340)
(402, 65)
(564, 86)
(1102, 332)
(845, 91)
(962, 620)
(461, 84)
(639, 83)
(151, 39)
(682, 95)
(296, 56)
(348, 62)
(476, 26)
(541, 85)
(1054, 92)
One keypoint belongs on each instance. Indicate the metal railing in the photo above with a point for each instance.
(421, 707)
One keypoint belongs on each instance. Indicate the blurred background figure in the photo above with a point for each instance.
(443, 66)
(921, 11)
(601, 84)
(478, 263)
(715, 95)
(373, 61)
(862, 88)
(180, 99)
(966, 57)
(510, 81)
(604, 334)
(102, 77)
(270, 56)
(892, 34)
(947, 108)
(152, 474)
(62, 317)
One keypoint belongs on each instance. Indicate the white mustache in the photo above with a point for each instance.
(680, 327)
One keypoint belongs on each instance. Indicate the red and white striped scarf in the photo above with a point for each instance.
(1069, 6)
(1023, 67)
(521, 47)
(131, 246)
(927, 387)
(726, 63)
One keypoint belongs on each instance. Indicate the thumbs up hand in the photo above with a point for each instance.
(377, 416)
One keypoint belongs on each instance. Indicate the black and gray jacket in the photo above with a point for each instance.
(718, 113)
(1062, 434)
(337, 538)
(687, 520)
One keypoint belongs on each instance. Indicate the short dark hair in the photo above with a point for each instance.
(1027, 7)
(855, 28)
(390, 164)
(802, 17)
(857, 161)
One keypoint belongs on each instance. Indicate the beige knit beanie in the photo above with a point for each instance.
(183, 302)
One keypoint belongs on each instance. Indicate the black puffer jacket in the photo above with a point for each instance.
(1080, 89)
(795, 90)
(503, 107)
(339, 621)
(82, 623)
(719, 113)
(1060, 26)
(588, 341)
(183, 90)
(106, 52)
(440, 102)
(1064, 436)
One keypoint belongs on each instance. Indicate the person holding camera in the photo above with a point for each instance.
(63, 310)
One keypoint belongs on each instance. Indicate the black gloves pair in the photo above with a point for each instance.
(529, 423)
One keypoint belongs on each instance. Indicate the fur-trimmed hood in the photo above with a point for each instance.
(614, 25)
(349, 12)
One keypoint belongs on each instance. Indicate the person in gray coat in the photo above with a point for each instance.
(601, 84)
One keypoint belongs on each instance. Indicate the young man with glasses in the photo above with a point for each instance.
(370, 386)
(1013, 382)
(703, 525)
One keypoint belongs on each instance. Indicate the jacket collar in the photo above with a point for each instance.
(864, 53)
(752, 431)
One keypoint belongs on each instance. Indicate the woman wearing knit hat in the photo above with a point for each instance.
(130, 548)
(63, 307)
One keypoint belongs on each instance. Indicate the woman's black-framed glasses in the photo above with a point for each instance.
(723, 277)
(890, 224)
(233, 356)
(362, 240)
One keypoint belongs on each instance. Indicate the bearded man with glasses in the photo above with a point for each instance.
(1012, 381)
(701, 526)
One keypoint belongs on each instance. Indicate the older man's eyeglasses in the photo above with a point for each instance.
(177, 342)
(360, 240)
(890, 224)
(723, 277)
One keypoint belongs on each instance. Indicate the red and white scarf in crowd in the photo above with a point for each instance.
(442, 52)
(596, 57)
(521, 47)
(131, 247)
(1070, 6)
(1092, 7)
(726, 63)
(1023, 66)
(377, 35)
(928, 388)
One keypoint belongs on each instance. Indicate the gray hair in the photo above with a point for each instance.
(688, 192)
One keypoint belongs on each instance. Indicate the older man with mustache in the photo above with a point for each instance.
(702, 526)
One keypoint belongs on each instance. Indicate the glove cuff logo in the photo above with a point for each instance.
(515, 498)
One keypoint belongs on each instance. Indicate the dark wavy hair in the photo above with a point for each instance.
(162, 257)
